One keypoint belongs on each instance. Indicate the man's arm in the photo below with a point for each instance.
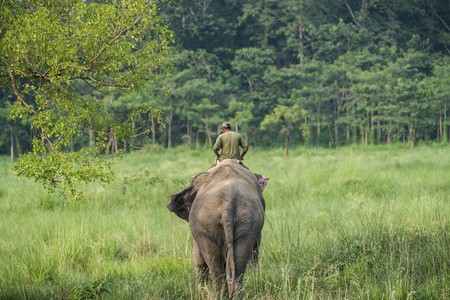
(244, 152)
(217, 146)
(216, 151)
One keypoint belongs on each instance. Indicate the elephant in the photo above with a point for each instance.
(225, 211)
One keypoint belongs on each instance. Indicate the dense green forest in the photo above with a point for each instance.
(283, 72)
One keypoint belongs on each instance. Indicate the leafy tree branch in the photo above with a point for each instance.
(52, 53)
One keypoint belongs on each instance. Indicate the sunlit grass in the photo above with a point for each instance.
(356, 222)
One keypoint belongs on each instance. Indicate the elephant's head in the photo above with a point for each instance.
(181, 202)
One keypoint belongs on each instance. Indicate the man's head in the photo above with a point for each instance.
(226, 126)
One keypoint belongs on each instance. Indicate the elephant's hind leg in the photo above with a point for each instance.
(244, 249)
(255, 252)
(212, 255)
(200, 266)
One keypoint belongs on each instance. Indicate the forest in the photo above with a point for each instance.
(285, 72)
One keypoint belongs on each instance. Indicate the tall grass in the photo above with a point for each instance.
(349, 223)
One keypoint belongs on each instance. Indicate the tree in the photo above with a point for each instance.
(242, 114)
(197, 89)
(14, 134)
(249, 66)
(200, 101)
(52, 50)
(439, 84)
(284, 119)
(313, 97)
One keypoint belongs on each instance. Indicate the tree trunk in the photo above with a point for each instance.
(112, 141)
(153, 130)
(91, 138)
(389, 137)
(378, 126)
(208, 131)
(362, 132)
(368, 129)
(318, 119)
(336, 133)
(196, 140)
(447, 133)
(250, 85)
(108, 148)
(337, 113)
(447, 128)
(287, 143)
(208, 134)
(188, 131)
(438, 138)
(12, 146)
(330, 135)
(348, 134)
(371, 118)
(300, 37)
(411, 136)
(169, 133)
(116, 148)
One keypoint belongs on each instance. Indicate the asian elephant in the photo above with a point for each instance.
(225, 211)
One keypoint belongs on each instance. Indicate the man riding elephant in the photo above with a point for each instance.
(229, 142)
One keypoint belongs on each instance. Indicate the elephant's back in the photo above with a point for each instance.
(229, 170)
(230, 199)
(228, 192)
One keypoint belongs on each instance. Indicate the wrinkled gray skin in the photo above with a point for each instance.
(225, 211)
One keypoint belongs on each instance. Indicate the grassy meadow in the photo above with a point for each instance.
(348, 223)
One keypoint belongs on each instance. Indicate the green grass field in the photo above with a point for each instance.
(349, 223)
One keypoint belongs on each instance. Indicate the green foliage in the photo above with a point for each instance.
(52, 53)
(360, 70)
(65, 170)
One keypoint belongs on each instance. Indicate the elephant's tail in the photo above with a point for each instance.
(228, 225)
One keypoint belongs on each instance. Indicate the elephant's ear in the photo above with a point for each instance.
(181, 203)
(262, 181)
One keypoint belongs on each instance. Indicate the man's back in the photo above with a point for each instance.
(230, 142)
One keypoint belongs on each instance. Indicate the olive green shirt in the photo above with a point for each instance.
(229, 142)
